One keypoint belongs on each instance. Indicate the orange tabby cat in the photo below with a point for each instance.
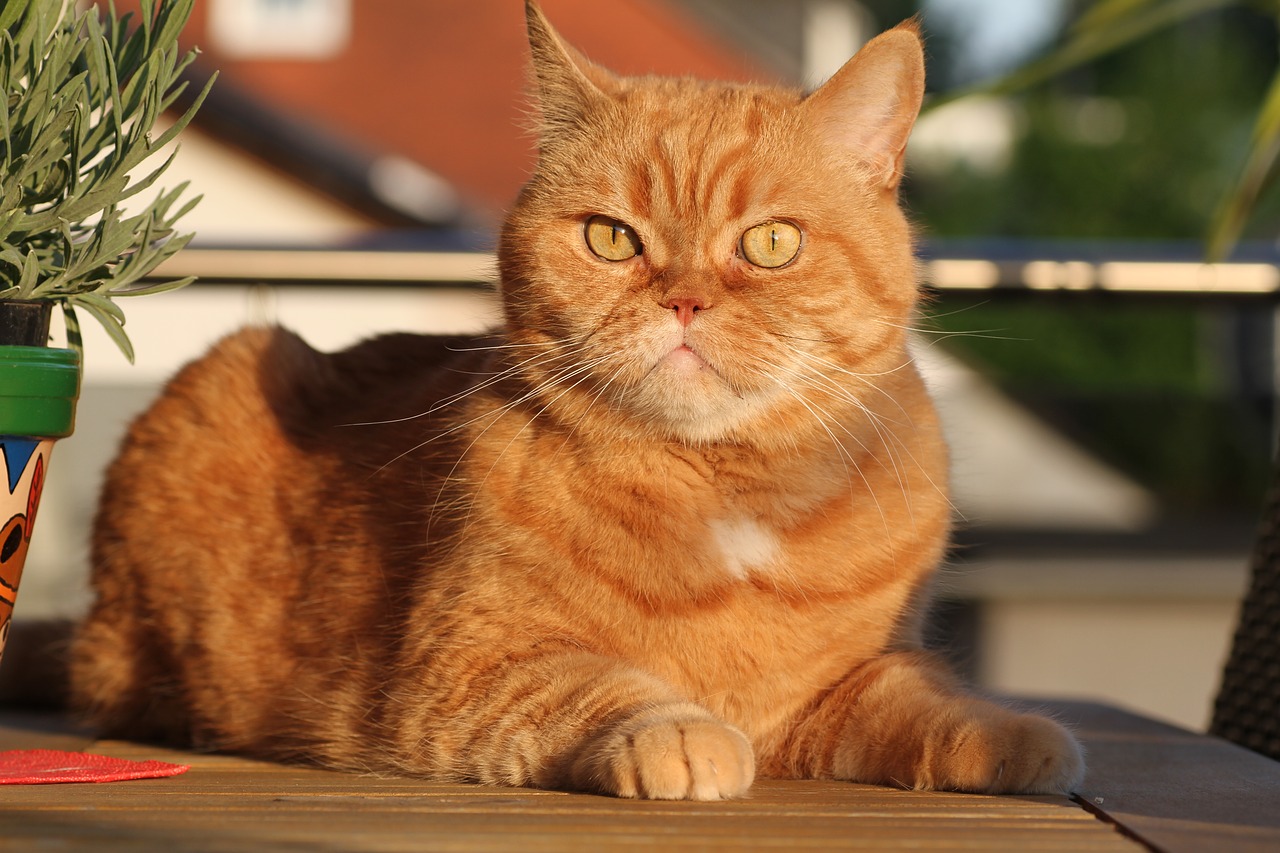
(671, 528)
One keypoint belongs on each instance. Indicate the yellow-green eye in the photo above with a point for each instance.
(611, 239)
(771, 244)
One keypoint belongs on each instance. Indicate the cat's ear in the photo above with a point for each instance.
(869, 106)
(567, 84)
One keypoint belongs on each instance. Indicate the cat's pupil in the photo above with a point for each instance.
(611, 239)
(770, 244)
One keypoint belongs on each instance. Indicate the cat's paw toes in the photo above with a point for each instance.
(1008, 754)
(670, 755)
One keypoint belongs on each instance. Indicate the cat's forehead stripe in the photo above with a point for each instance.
(698, 163)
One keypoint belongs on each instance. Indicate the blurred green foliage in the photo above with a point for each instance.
(1185, 99)
(1160, 389)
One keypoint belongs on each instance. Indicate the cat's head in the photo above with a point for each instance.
(705, 258)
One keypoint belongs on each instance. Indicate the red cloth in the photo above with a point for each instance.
(46, 766)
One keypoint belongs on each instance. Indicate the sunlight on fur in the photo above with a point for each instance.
(672, 527)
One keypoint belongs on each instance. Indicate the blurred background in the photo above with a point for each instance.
(1109, 399)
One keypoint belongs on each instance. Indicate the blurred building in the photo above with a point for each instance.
(400, 113)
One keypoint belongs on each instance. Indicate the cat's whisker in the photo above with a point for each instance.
(492, 413)
(893, 467)
(583, 373)
(844, 394)
(595, 399)
(887, 437)
(820, 383)
(581, 368)
(885, 434)
(846, 457)
(933, 337)
(894, 446)
(556, 350)
(534, 417)
(562, 350)
(855, 374)
(861, 376)
(493, 379)
(497, 347)
(787, 337)
(936, 335)
(864, 378)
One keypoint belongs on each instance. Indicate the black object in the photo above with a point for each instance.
(1247, 709)
(25, 324)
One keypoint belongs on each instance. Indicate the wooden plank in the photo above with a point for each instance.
(270, 822)
(232, 803)
(1174, 789)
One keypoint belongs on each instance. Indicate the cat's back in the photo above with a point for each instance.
(273, 374)
(263, 397)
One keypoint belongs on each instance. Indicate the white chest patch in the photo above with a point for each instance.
(744, 544)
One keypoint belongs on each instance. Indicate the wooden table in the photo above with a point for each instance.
(1149, 785)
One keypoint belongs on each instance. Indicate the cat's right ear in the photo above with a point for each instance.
(567, 84)
(870, 105)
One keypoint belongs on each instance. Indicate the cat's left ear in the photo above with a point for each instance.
(567, 83)
(870, 105)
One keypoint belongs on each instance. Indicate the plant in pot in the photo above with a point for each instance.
(83, 91)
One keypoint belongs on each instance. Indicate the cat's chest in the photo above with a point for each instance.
(741, 545)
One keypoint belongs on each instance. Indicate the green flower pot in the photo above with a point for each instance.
(39, 387)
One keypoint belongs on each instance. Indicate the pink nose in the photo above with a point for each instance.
(685, 307)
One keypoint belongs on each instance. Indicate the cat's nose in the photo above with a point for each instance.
(685, 307)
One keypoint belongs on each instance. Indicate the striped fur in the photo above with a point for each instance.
(575, 554)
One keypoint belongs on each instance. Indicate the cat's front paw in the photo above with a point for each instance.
(671, 753)
(1005, 753)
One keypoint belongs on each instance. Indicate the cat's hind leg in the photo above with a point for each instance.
(119, 676)
(902, 720)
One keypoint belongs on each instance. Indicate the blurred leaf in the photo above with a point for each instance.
(75, 338)
(1110, 26)
(1107, 12)
(1258, 176)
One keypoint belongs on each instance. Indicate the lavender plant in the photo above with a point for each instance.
(83, 91)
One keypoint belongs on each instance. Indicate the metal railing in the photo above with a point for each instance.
(946, 267)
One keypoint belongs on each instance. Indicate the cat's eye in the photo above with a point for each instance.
(770, 244)
(612, 240)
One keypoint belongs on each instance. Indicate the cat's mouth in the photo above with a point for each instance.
(685, 357)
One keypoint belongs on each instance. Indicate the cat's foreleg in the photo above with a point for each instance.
(668, 751)
(901, 719)
(578, 721)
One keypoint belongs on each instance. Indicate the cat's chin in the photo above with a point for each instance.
(686, 397)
